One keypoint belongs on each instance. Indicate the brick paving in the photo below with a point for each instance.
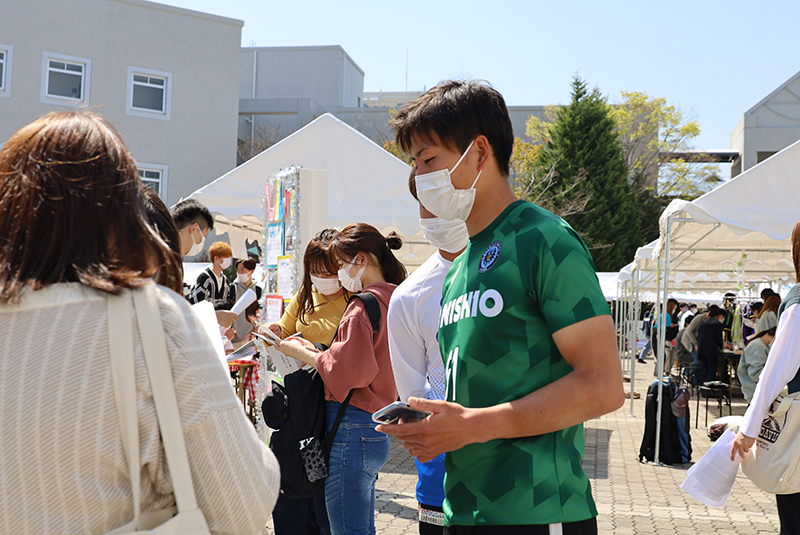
(632, 497)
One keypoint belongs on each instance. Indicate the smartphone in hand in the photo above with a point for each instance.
(397, 411)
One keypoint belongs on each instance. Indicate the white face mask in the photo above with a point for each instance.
(197, 247)
(226, 263)
(244, 278)
(438, 195)
(352, 284)
(326, 286)
(449, 236)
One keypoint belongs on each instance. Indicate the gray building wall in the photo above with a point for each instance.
(768, 127)
(284, 88)
(197, 142)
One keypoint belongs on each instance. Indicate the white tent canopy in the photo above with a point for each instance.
(365, 184)
(364, 181)
(745, 224)
(742, 227)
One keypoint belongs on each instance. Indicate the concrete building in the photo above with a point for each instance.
(768, 127)
(166, 78)
(285, 88)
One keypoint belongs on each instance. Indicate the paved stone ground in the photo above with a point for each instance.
(632, 497)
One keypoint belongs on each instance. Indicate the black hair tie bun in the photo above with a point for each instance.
(393, 241)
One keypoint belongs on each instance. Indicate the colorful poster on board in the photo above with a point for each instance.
(286, 277)
(273, 309)
(274, 243)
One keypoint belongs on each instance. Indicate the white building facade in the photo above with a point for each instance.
(166, 78)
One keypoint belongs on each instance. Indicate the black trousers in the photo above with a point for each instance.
(789, 513)
(584, 527)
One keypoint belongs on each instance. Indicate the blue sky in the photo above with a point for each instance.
(714, 59)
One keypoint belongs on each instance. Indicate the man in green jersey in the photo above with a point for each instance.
(525, 333)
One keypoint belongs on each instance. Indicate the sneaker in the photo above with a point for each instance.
(640, 361)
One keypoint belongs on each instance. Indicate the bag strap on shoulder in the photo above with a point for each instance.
(374, 313)
(373, 310)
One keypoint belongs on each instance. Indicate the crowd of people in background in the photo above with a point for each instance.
(694, 338)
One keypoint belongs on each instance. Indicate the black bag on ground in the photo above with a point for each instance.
(297, 410)
(675, 445)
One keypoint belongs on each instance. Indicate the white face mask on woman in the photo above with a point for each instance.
(352, 284)
(449, 236)
(226, 263)
(438, 195)
(244, 278)
(326, 286)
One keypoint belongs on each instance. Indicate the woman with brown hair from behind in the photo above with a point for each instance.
(359, 362)
(73, 231)
(767, 317)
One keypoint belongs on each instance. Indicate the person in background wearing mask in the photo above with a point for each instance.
(194, 222)
(315, 311)
(414, 347)
(525, 331)
(212, 285)
(244, 281)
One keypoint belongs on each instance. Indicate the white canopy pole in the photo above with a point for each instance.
(635, 283)
(662, 335)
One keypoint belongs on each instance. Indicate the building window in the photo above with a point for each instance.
(149, 93)
(154, 176)
(6, 54)
(65, 80)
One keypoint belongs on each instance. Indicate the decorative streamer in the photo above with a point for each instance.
(284, 204)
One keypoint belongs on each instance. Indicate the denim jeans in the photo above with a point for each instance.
(358, 454)
(646, 349)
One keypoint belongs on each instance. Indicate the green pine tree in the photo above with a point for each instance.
(583, 146)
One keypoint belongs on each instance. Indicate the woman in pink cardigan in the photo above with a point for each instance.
(357, 361)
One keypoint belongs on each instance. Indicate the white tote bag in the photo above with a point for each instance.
(772, 463)
(189, 519)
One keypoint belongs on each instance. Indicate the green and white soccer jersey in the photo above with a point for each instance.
(521, 279)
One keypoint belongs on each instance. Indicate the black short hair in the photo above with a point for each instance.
(456, 112)
(248, 263)
(190, 211)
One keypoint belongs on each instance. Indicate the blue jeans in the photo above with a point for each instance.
(646, 349)
(358, 454)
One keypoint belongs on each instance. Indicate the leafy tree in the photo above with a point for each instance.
(539, 186)
(394, 149)
(583, 143)
(651, 132)
(539, 130)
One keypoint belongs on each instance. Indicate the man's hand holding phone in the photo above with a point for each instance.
(446, 429)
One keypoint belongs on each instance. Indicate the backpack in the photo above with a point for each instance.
(676, 445)
(296, 410)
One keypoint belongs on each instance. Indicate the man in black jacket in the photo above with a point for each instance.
(709, 342)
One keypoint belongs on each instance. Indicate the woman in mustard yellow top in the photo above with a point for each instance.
(317, 308)
(314, 311)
